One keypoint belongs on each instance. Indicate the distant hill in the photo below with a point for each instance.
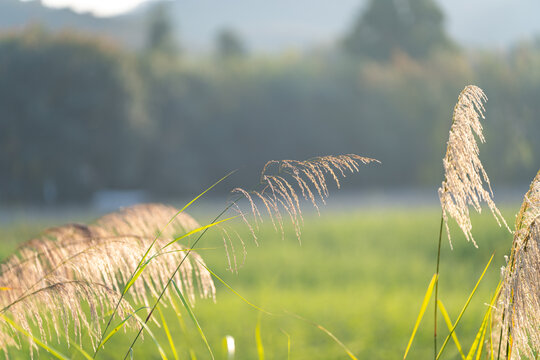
(15, 14)
(281, 24)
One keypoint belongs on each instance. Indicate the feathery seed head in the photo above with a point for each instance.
(286, 183)
(73, 265)
(464, 174)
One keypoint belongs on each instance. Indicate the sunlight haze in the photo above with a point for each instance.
(98, 7)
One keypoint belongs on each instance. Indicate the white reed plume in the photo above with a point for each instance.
(464, 174)
(70, 265)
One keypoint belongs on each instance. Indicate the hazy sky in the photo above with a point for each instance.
(98, 7)
(264, 24)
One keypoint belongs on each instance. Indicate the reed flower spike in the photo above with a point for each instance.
(463, 185)
(518, 319)
(286, 183)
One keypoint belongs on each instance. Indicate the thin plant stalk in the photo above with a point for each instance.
(174, 274)
(437, 290)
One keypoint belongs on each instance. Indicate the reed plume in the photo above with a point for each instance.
(518, 318)
(286, 183)
(68, 266)
(463, 185)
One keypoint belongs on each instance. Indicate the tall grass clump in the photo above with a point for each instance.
(66, 280)
(71, 280)
(466, 184)
(517, 319)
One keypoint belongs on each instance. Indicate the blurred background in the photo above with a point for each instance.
(108, 103)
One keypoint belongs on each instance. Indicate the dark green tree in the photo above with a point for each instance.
(229, 45)
(415, 27)
(68, 117)
(160, 36)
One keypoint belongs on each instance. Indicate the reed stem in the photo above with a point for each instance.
(437, 289)
(174, 274)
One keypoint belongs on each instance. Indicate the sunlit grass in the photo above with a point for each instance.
(361, 275)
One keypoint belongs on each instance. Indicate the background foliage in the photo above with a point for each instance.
(81, 114)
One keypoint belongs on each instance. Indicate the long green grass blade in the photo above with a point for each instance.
(184, 329)
(179, 251)
(168, 333)
(57, 354)
(158, 345)
(486, 321)
(288, 344)
(464, 308)
(119, 327)
(258, 340)
(192, 316)
(205, 191)
(143, 266)
(199, 230)
(425, 303)
(135, 276)
(480, 347)
(479, 338)
(130, 282)
(449, 324)
(491, 354)
(327, 332)
(170, 280)
(234, 291)
(80, 349)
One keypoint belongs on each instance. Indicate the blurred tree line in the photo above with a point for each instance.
(80, 114)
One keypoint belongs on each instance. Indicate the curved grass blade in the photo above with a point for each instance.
(258, 340)
(119, 327)
(184, 329)
(192, 315)
(449, 324)
(234, 291)
(156, 255)
(198, 230)
(327, 332)
(464, 308)
(168, 333)
(425, 302)
(145, 326)
(486, 321)
(288, 344)
(41, 344)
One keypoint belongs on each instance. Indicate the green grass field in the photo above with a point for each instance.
(362, 275)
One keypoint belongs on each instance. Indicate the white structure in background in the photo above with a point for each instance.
(110, 200)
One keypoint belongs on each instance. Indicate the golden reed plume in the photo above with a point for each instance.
(464, 174)
(518, 310)
(50, 281)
